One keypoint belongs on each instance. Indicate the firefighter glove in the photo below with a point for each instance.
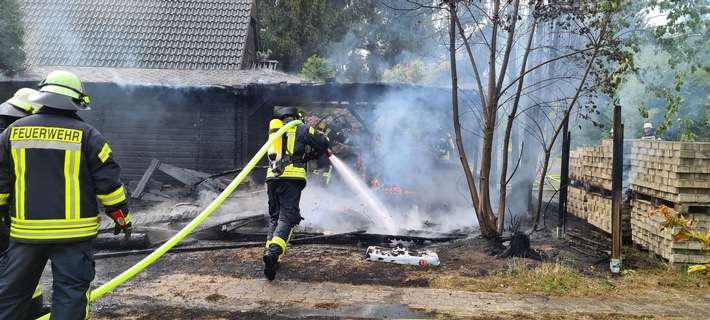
(311, 156)
(329, 153)
(122, 221)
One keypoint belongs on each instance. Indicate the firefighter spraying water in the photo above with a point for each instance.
(285, 180)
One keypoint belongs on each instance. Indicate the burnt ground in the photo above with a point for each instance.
(326, 262)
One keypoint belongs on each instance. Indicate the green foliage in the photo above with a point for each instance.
(264, 55)
(684, 230)
(414, 73)
(12, 56)
(361, 37)
(317, 69)
(673, 57)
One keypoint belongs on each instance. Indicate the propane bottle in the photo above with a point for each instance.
(275, 151)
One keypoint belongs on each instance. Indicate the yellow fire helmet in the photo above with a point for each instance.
(18, 106)
(62, 90)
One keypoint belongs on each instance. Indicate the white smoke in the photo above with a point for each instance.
(420, 192)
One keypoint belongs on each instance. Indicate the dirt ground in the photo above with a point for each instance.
(473, 257)
(328, 263)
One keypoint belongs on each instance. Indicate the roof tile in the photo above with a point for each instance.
(140, 34)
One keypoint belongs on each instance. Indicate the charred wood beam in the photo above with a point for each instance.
(186, 176)
(106, 241)
(176, 250)
(224, 173)
(144, 180)
(580, 237)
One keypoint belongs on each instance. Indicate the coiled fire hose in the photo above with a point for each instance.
(148, 260)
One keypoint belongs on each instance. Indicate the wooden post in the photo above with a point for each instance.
(564, 182)
(617, 163)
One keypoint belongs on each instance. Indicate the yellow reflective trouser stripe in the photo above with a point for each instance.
(327, 174)
(38, 292)
(18, 156)
(113, 198)
(88, 299)
(105, 152)
(72, 196)
(53, 229)
(268, 243)
(4, 198)
(279, 242)
(289, 235)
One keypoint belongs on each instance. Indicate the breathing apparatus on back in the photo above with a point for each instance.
(279, 154)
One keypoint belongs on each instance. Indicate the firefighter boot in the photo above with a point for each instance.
(270, 264)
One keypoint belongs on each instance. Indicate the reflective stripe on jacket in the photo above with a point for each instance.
(296, 140)
(53, 167)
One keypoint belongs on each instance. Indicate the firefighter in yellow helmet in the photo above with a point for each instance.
(338, 133)
(649, 133)
(444, 145)
(285, 180)
(53, 169)
(10, 111)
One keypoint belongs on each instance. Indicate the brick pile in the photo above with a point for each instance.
(675, 174)
(590, 196)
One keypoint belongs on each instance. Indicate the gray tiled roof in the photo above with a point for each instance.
(135, 76)
(152, 34)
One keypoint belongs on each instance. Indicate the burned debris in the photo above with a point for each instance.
(163, 209)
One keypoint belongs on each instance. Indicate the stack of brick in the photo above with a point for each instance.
(596, 166)
(675, 174)
(575, 167)
(577, 201)
(591, 198)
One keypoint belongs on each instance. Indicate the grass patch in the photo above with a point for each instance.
(558, 279)
(547, 278)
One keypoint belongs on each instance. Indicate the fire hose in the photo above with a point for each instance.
(148, 260)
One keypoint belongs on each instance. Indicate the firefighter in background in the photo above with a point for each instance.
(444, 146)
(649, 133)
(10, 111)
(343, 145)
(322, 169)
(53, 168)
(285, 179)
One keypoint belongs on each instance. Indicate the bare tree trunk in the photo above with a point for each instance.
(509, 125)
(482, 203)
(457, 124)
(548, 149)
(490, 112)
(485, 211)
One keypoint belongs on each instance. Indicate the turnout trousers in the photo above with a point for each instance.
(284, 212)
(21, 268)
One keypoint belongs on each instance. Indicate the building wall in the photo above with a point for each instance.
(207, 129)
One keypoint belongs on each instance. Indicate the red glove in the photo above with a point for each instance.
(329, 153)
(122, 220)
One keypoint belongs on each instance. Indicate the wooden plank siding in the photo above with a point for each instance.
(207, 129)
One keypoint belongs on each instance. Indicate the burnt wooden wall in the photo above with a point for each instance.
(208, 129)
(213, 128)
